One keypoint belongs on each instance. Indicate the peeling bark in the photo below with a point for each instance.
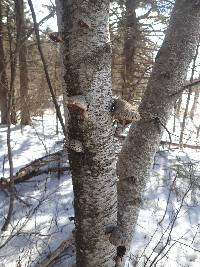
(143, 140)
(87, 62)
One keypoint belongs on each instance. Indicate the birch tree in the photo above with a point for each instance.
(142, 142)
(86, 56)
(87, 63)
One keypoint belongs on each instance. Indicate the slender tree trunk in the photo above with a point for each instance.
(3, 78)
(185, 114)
(9, 118)
(188, 96)
(178, 106)
(194, 105)
(87, 61)
(10, 160)
(47, 76)
(25, 114)
(129, 51)
(3, 104)
(13, 63)
(144, 137)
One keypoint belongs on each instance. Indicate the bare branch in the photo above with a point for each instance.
(36, 28)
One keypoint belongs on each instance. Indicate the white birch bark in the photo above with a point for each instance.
(87, 61)
(143, 139)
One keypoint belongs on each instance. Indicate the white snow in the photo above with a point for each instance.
(168, 231)
(38, 229)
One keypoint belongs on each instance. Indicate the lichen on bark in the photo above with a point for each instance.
(87, 63)
(143, 140)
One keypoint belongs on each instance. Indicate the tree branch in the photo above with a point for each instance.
(36, 28)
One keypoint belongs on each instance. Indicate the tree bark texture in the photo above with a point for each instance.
(87, 62)
(20, 21)
(3, 78)
(143, 140)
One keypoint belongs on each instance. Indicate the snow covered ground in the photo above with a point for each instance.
(168, 231)
(42, 222)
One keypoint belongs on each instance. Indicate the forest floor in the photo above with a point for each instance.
(168, 230)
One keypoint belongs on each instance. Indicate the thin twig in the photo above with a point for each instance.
(10, 92)
(36, 28)
(189, 95)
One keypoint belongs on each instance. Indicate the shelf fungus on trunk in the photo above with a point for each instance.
(78, 104)
(56, 37)
(123, 112)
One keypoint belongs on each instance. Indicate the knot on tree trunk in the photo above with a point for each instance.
(123, 112)
(78, 103)
(74, 145)
(116, 236)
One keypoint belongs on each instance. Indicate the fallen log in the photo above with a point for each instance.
(53, 256)
(55, 162)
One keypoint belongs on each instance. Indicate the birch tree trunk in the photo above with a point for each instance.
(143, 140)
(87, 61)
(25, 114)
(3, 78)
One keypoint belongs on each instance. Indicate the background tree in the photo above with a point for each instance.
(3, 78)
(20, 22)
(135, 38)
(17, 27)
